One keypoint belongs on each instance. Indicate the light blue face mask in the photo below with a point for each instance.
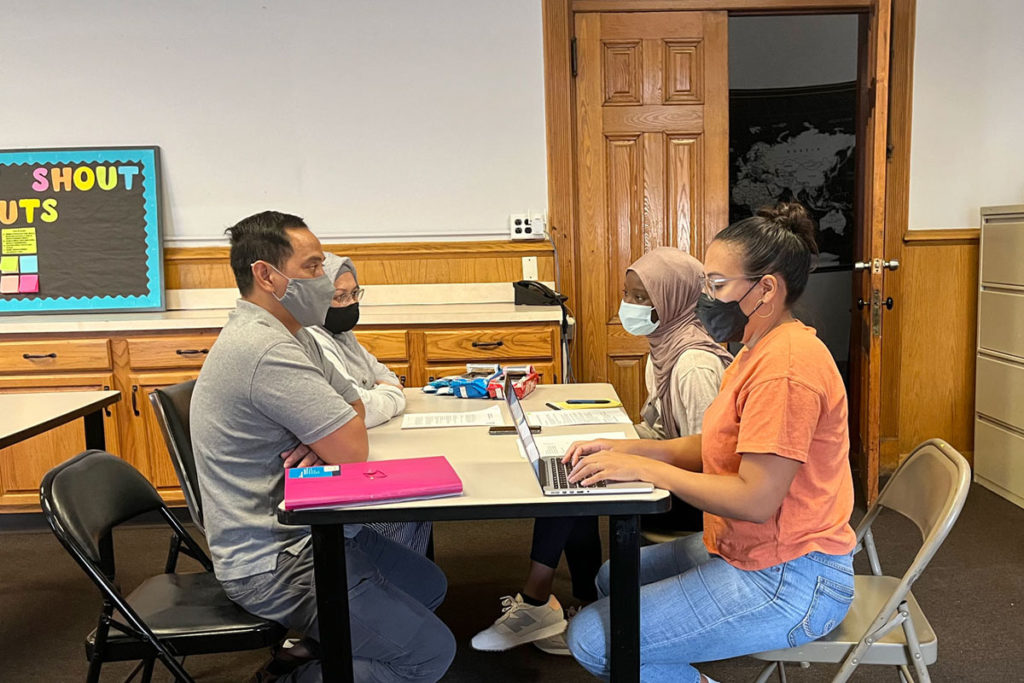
(636, 319)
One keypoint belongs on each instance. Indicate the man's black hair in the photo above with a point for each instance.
(260, 237)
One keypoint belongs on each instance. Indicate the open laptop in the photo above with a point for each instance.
(552, 474)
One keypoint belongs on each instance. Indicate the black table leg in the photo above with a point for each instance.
(624, 552)
(332, 602)
(94, 436)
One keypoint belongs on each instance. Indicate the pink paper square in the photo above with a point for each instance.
(29, 284)
(9, 284)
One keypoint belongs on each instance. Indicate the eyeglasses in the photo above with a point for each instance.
(710, 285)
(349, 297)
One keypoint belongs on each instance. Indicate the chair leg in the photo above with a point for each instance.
(914, 646)
(904, 673)
(95, 664)
(766, 672)
(147, 670)
(782, 672)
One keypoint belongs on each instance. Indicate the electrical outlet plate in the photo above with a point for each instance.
(527, 226)
(530, 268)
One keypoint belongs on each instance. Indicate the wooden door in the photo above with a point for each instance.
(148, 451)
(868, 293)
(23, 465)
(652, 164)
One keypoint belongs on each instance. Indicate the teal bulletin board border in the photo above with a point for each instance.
(154, 301)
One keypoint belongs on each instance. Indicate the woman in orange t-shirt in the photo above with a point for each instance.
(770, 470)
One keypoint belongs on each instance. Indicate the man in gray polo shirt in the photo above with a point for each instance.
(264, 390)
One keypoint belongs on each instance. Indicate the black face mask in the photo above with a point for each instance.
(342, 319)
(724, 320)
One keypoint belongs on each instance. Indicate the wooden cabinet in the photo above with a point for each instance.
(146, 448)
(491, 344)
(391, 347)
(179, 351)
(137, 363)
(54, 355)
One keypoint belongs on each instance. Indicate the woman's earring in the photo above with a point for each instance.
(771, 312)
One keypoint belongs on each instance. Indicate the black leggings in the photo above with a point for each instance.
(579, 538)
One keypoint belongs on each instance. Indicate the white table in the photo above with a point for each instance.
(498, 483)
(26, 415)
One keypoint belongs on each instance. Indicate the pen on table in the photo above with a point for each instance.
(552, 406)
(582, 401)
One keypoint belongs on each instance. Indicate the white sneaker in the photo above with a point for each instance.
(521, 623)
(556, 645)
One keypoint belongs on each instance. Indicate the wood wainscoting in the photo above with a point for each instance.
(386, 263)
(933, 390)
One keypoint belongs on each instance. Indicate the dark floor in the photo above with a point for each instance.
(972, 592)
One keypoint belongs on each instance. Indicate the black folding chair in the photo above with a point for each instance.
(171, 406)
(169, 615)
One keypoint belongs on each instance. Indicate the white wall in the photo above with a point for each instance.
(967, 144)
(373, 119)
(771, 52)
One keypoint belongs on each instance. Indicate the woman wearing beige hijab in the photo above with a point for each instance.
(684, 368)
(685, 365)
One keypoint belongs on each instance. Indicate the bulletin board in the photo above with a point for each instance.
(80, 230)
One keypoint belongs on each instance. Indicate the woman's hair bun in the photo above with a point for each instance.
(792, 216)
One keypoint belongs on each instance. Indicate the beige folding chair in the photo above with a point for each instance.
(929, 488)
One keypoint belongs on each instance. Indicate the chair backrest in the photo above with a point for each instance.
(929, 488)
(86, 496)
(171, 405)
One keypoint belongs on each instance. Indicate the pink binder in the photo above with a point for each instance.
(361, 483)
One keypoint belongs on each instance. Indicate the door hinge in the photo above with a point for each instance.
(572, 58)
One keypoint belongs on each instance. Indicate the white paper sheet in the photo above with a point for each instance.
(596, 416)
(476, 418)
(556, 446)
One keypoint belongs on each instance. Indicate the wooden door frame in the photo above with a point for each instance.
(559, 86)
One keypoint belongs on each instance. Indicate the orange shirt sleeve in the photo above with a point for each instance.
(779, 416)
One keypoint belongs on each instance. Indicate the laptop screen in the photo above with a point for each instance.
(522, 427)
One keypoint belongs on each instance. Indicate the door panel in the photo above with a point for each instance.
(652, 164)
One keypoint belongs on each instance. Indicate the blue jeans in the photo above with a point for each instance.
(696, 607)
(392, 593)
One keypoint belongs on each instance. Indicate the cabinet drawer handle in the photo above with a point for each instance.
(38, 356)
(135, 400)
(488, 345)
(191, 352)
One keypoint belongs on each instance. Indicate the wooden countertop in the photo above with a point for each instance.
(199, 310)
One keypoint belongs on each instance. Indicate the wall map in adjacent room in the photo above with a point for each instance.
(80, 230)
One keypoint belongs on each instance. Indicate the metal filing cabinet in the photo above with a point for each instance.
(999, 390)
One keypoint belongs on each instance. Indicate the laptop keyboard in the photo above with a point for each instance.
(559, 472)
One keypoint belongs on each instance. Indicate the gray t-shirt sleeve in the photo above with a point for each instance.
(289, 390)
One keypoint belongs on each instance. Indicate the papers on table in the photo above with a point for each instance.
(596, 416)
(556, 446)
(477, 418)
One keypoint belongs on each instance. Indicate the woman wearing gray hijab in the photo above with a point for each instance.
(379, 388)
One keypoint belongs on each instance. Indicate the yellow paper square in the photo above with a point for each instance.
(9, 264)
(19, 241)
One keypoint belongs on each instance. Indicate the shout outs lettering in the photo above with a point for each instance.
(64, 179)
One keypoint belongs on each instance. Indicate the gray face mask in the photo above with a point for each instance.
(307, 299)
